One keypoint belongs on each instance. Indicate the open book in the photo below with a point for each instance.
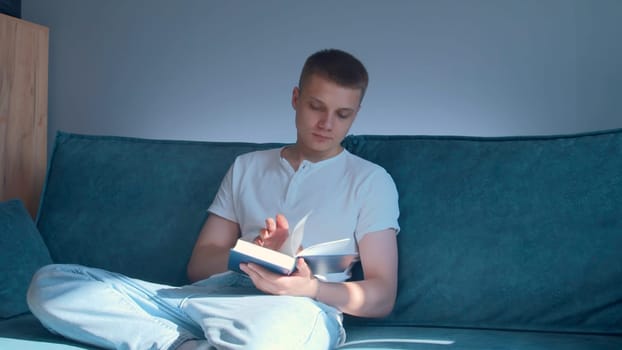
(324, 259)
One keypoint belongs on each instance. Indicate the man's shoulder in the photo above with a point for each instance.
(259, 155)
(361, 164)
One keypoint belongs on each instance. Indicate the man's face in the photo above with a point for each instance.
(324, 113)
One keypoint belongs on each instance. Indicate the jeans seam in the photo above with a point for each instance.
(314, 328)
(320, 316)
(335, 317)
(174, 312)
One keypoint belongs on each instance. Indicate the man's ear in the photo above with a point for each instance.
(295, 97)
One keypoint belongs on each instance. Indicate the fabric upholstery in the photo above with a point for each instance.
(515, 233)
(505, 243)
(25, 332)
(22, 253)
(131, 205)
(441, 338)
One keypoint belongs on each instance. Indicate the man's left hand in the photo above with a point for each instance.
(299, 283)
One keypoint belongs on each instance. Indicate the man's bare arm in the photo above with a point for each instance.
(211, 250)
(372, 297)
(375, 295)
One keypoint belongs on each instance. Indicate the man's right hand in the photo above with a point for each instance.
(274, 234)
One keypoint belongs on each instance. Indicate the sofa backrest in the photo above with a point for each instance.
(507, 233)
(513, 233)
(131, 205)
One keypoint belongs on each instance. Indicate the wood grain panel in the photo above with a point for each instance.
(23, 110)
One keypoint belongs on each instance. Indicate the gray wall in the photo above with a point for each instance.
(224, 70)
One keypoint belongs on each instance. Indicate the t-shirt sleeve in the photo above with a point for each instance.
(223, 204)
(379, 208)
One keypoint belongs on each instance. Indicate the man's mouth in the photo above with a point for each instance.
(322, 137)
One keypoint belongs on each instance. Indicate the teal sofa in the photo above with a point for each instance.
(505, 243)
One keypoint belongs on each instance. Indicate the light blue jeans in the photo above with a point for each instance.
(114, 311)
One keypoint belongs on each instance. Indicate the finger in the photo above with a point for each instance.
(281, 222)
(270, 225)
(257, 270)
(302, 268)
(244, 269)
(258, 240)
(251, 271)
(254, 272)
(264, 234)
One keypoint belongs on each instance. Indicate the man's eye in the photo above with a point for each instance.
(343, 115)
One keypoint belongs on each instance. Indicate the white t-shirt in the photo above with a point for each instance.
(343, 197)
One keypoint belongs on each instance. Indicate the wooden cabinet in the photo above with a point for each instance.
(23, 110)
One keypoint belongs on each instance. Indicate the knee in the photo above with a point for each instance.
(44, 290)
(35, 295)
(297, 323)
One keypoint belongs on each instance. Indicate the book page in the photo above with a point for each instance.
(337, 247)
(294, 240)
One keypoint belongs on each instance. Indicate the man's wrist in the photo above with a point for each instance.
(316, 293)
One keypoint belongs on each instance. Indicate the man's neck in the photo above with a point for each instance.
(295, 154)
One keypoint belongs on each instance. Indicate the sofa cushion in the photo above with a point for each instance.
(515, 232)
(425, 338)
(23, 252)
(26, 332)
(129, 205)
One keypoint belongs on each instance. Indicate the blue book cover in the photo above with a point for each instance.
(247, 252)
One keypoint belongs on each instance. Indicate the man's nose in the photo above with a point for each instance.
(326, 121)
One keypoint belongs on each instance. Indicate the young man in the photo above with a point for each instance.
(342, 196)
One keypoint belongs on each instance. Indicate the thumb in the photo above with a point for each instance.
(281, 222)
(302, 267)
